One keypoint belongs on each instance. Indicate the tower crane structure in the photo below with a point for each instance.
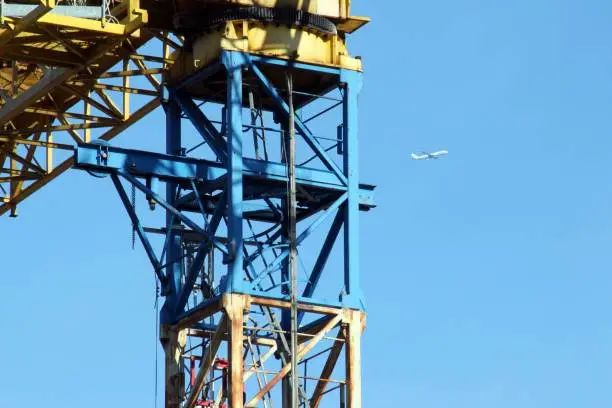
(256, 194)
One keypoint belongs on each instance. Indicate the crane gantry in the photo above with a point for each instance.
(256, 195)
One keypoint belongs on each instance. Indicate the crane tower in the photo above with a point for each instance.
(246, 203)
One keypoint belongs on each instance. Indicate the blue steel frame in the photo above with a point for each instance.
(144, 170)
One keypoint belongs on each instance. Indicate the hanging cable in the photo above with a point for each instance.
(291, 208)
(156, 307)
(133, 224)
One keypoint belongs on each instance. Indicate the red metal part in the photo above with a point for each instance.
(192, 371)
(221, 364)
(208, 403)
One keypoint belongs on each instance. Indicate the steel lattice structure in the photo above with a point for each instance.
(260, 170)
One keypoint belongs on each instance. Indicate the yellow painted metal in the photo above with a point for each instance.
(49, 152)
(126, 95)
(43, 52)
(274, 41)
(56, 73)
(68, 22)
(26, 26)
(87, 130)
(54, 171)
(352, 24)
(39, 143)
(20, 26)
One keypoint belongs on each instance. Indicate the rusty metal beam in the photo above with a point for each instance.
(304, 349)
(207, 362)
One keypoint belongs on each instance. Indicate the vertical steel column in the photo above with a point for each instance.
(285, 286)
(292, 203)
(172, 341)
(284, 206)
(352, 82)
(173, 257)
(235, 306)
(233, 63)
(356, 324)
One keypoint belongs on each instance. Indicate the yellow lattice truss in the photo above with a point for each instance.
(65, 80)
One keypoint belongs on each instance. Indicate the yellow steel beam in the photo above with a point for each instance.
(126, 95)
(15, 158)
(131, 72)
(75, 136)
(67, 164)
(49, 143)
(14, 107)
(150, 58)
(110, 104)
(20, 178)
(95, 26)
(22, 25)
(168, 42)
(41, 15)
(37, 34)
(7, 78)
(87, 131)
(109, 108)
(54, 77)
(57, 113)
(65, 42)
(65, 127)
(116, 88)
(49, 152)
(152, 80)
(53, 57)
(29, 157)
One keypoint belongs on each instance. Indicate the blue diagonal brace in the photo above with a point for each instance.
(139, 230)
(249, 259)
(204, 126)
(186, 220)
(198, 76)
(317, 270)
(199, 259)
(323, 255)
(311, 228)
(299, 125)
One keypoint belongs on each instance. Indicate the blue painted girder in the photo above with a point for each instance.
(251, 210)
(107, 159)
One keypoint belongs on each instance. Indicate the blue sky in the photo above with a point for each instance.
(487, 274)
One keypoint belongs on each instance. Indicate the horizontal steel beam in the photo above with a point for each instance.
(50, 80)
(107, 159)
(208, 307)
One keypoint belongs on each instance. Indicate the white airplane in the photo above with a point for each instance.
(429, 156)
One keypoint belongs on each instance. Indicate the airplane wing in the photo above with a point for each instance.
(440, 153)
(417, 157)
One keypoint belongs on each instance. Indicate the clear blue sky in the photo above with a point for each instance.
(487, 274)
